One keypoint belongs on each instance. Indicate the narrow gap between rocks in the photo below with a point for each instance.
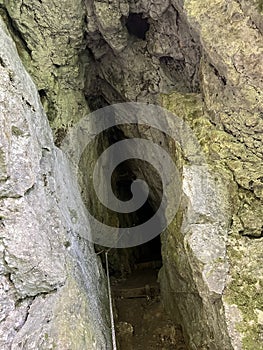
(140, 319)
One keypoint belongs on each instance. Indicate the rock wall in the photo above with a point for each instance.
(52, 284)
(227, 119)
(49, 37)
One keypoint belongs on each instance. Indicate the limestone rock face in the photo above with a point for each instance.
(50, 38)
(52, 292)
(229, 126)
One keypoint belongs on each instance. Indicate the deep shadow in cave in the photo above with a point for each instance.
(140, 319)
(137, 25)
(147, 254)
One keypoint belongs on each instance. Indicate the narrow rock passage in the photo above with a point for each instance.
(141, 321)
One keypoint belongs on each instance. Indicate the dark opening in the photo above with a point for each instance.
(147, 254)
(124, 262)
(42, 93)
(137, 25)
(140, 318)
(177, 71)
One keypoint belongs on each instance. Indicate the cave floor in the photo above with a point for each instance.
(141, 322)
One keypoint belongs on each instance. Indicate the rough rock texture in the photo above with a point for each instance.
(49, 38)
(134, 69)
(202, 61)
(212, 275)
(229, 126)
(52, 286)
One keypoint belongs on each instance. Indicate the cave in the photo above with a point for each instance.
(134, 282)
(137, 25)
(154, 278)
(198, 284)
(147, 254)
(134, 271)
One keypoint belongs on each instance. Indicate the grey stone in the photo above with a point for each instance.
(52, 289)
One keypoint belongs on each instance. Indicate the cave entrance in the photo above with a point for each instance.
(140, 319)
(137, 25)
(123, 262)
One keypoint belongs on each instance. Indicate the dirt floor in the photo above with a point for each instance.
(141, 322)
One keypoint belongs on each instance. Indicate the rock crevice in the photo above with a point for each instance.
(200, 61)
